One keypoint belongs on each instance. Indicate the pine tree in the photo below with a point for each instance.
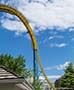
(68, 79)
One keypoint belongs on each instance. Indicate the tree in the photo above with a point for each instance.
(67, 80)
(37, 84)
(16, 65)
(58, 81)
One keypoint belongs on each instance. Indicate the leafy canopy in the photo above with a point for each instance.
(17, 65)
(68, 79)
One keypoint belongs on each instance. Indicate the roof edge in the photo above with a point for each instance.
(10, 71)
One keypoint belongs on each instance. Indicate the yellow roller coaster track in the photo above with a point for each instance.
(8, 9)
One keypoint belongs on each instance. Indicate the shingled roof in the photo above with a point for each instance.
(7, 76)
(5, 73)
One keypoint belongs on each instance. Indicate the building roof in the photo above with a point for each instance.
(6, 73)
(7, 76)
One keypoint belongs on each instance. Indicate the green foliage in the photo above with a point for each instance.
(15, 64)
(18, 66)
(68, 78)
(37, 84)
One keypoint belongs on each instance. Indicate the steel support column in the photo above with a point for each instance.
(35, 65)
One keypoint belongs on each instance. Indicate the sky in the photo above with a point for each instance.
(52, 22)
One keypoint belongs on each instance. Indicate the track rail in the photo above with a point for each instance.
(8, 9)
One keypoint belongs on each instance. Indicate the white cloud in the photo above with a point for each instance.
(51, 37)
(71, 29)
(44, 14)
(40, 1)
(56, 37)
(60, 45)
(59, 67)
(12, 25)
(50, 77)
(62, 67)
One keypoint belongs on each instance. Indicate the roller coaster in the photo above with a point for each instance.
(13, 11)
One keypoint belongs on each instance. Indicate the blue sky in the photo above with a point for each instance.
(54, 31)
